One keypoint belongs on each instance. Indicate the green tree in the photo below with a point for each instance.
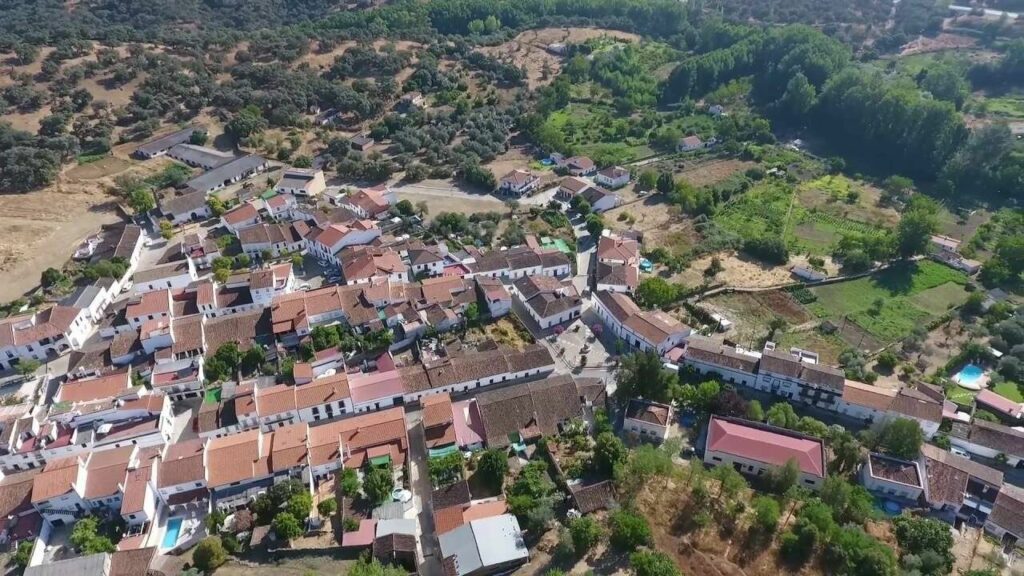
(368, 566)
(350, 483)
(378, 484)
(852, 551)
(656, 292)
(51, 277)
(405, 207)
(23, 554)
(300, 505)
(609, 452)
(900, 437)
(472, 313)
(215, 521)
(85, 537)
(648, 180)
(798, 98)
(642, 375)
(246, 122)
(917, 536)
(492, 467)
(782, 415)
(786, 477)
(286, 526)
(766, 514)
(595, 224)
(446, 469)
(629, 530)
(28, 366)
(586, 533)
(652, 563)
(209, 554)
(914, 232)
(754, 411)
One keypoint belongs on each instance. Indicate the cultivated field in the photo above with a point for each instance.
(890, 304)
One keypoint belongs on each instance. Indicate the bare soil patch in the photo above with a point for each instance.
(444, 196)
(739, 271)
(41, 229)
(529, 49)
(943, 41)
(713, 171)
(515, 158)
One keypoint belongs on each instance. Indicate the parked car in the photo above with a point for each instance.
(960, 452)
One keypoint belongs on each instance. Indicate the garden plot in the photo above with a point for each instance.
(888, 305)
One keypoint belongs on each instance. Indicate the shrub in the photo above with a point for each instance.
(209, 554)
(629, 530)
(230, 543)
(586, 533)
(327, 507)
(286, 526)
(350, 524)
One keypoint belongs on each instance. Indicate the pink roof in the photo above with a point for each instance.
(1003, 404)
(469, 426)
(241, 214)
(363, 536)
(761, 445)
(372, 385)
(455, 270)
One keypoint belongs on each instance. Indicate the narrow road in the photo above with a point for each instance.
(419, 480)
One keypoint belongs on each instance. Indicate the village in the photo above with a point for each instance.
(287, 366)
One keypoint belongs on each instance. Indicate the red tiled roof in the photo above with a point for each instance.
(762, 444)
(89, 389)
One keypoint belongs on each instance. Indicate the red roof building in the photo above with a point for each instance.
(756, 449)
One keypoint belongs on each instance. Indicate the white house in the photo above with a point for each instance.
(548, 300)
(648, 420)
(989, 440)
(499, 301)
(242, 216)
(175, 275)
(327, 242)
(518, 183)
(640, 329)
(179, 209)
(600, 200)
(180, 379)
(888, 476)
(43, 335)
(580, 166)
(614, 177)
(796, 375)
(708, 357)
(757, 449)
(306, 182)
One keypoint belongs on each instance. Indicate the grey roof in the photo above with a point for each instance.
(166, 142)
(396, 526)
(228, 171)
(494, 541)
(200, 155)
(460, 544)
(296, 178)
(92, 565)
(183, 204)
(82, 297)
(160, 272)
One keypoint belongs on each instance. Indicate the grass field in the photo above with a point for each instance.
(961, 396)
(890, 304)
(805, 217)
(1010, 390)
(1011, 107)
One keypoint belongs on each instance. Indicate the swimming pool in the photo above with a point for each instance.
(971, 376)
(171, 535)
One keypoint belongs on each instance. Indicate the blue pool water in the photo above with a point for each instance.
(171, 535)
(969, 374)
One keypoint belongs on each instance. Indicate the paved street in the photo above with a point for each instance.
(419, 481)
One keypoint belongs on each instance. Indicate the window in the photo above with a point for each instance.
(809, 482)
(716, 458)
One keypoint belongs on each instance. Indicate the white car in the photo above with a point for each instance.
(960, 452)
(401, 495)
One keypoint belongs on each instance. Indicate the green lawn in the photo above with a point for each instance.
(961, 396)
(1005, 106)
(1009, 390)
(890, 304)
